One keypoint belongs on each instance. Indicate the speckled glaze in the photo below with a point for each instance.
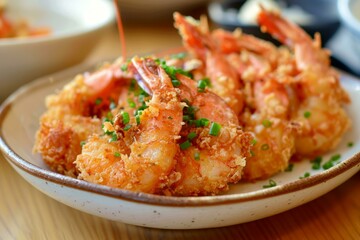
(244, 202)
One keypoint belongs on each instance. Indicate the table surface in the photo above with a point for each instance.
(26, 213)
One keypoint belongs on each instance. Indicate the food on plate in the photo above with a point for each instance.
(18, 29)
(230, 108)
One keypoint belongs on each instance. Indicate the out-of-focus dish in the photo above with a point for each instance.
(19, 28)
(323, 18)
(76, 29)
(246, 202)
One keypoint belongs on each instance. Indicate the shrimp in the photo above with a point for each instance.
(274, 134)
(225, 81)
(74, 114)
(317, 88)
(207, 163)
(145, 163)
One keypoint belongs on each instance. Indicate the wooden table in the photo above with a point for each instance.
(26, 213)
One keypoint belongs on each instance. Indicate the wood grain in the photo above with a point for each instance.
(26, 213)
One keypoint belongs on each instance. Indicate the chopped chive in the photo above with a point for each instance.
(113, 136)
(253, 141)
(117, 154)
(82, 143)
(197, 156)
(127, 127)
(272, 183)
(132, 85)
(202, 84)
(266, 123)
(98, 101)
(124, 67)
(185, 145)
(125, 117)
(186, 118)
(335, 157)
(191, 136)
(331, 161)
(252, 153)
(350, 144)
(214, 129)
(137, 118)
(265, 147)
(175, 82)
(307, 174)
(204, 122)
(316, 163)
(131, 103)
(289, 168)
(307, 114)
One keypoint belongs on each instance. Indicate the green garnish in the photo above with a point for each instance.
(197, 156)
(185, 145)
(265, 147)
(117, 154)
(202, 84)
(307, 174)
(175, 82)
(125, 117)
(214, 129)
(113, 136)
(267, 123)
(98, 101)
(253, 142)
(272, 183)
(331, 161)
(202, 122)
(124, 67)
(82, 143)
(289, 168)
(252, 153)
(316, 163)
(350, 144)
(191, 136)
(307, 114)
(131, 103)
(127, 127)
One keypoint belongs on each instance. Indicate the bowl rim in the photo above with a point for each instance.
(110, 18)
(146, 198)
(347, 16)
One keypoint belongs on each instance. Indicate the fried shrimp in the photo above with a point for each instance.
(224, 79)
(73, 115)
(317, 87)
(146, 163)
(213, 145)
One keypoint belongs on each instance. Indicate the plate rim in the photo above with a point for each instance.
(145, 198)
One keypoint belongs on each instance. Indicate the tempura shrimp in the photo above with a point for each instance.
(317, 87)
(224, 79)
(74, 114)
(208, 161)
(150, 157)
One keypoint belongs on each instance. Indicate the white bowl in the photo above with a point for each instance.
(349, 11)
(76, 26)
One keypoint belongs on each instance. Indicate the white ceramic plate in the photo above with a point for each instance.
(19, 116)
